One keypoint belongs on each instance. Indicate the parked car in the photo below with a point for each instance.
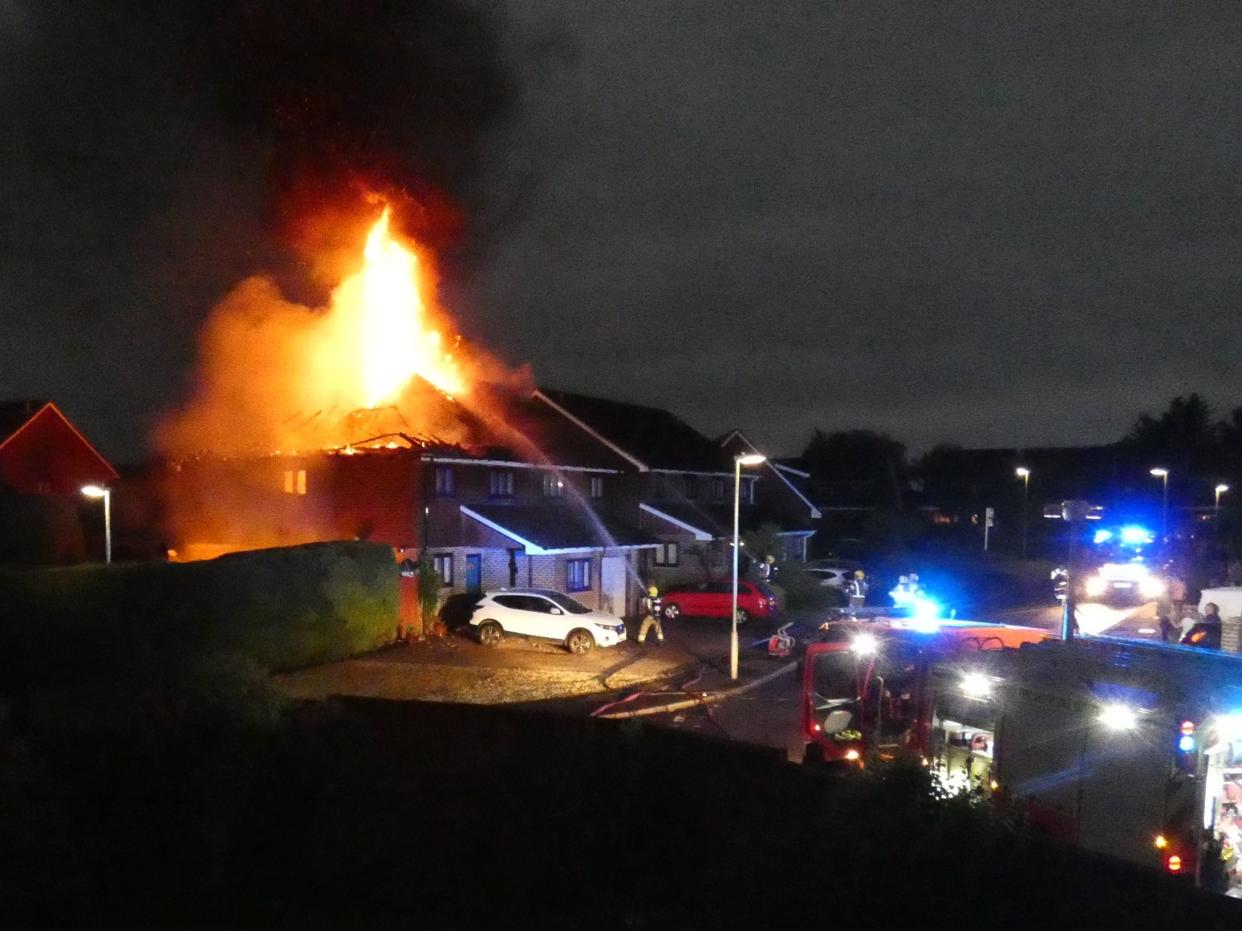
(715, 599)
(831, 573)
(548, 615)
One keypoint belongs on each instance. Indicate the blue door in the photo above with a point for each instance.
(474, 573)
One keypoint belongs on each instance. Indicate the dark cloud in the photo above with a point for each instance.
(156, 154)
(997, 223)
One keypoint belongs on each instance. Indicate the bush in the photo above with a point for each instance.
(278, 609)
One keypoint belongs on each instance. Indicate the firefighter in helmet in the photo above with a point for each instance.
(856, 589)
(653, 606)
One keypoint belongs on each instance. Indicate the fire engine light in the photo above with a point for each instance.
(1135, 535)
(1173, 864)
(851, 755)
(865, 645)
(816, 728)
(1118, 717)
(1095, 586)
(1188, 727)
(1186, 744)
(1151, 587)
(976, 685)
(995, 785)
(1102, 536)
(1161, 842)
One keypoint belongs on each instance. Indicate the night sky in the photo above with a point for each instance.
(994, 223)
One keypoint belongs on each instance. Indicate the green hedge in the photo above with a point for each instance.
(277, 608)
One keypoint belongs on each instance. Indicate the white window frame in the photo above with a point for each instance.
(585, 564)
(553, 485)
(666, 555)
(597, 487)
(445, 482)
(501, 483)
(443, 563)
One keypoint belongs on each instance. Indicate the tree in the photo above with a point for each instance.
(1183, 437)
(428, 592)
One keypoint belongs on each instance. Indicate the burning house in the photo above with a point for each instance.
(362, 421)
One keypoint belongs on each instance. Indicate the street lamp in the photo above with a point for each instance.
(96, 492)
(1220, 490)
(1025, 474)
(748, 459)
(1163, 475)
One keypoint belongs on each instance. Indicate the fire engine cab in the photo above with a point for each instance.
(865, 685)
(1124, 747)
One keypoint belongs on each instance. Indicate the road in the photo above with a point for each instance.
(769, 715)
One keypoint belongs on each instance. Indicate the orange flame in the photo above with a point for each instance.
(380, 317)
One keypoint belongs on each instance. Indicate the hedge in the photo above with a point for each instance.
(278, 608)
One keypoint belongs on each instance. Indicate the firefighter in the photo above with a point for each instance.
(901, 592)
(856, 589)
(653, 607)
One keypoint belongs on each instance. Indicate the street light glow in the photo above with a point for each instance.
(94, 491)
(1160, 473)
(750, 459)
(1022, 472)
(1221, 489)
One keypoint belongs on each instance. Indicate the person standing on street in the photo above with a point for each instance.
(856, 589)
(1177, 594)
(653, 605)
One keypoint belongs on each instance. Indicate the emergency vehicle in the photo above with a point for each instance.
(1129, 748)
(865, 684)
(1115, 566)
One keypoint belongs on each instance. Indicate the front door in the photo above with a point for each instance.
(612, 585)
(474, 573)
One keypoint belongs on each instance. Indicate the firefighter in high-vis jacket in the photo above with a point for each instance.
(653, 606)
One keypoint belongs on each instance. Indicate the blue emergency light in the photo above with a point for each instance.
(1134, 535)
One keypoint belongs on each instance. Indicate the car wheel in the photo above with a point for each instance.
(490, 634)
(579, 642)
(671, 612)
(742, 616)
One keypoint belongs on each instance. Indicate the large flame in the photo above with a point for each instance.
(381, 312)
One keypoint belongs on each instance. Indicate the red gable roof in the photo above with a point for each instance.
(42, 452)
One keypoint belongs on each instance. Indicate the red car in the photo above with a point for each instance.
(715, 599)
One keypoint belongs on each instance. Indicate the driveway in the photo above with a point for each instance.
(458, 669)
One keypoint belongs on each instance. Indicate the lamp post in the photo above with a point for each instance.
(749, 459)
(96, 492)
(1163, 475)
(1025, 474)
(1220, 490)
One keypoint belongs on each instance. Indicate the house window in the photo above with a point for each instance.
(577, 575)
(295, 482)
(718, 488)
(553, 487)
(665, 554)
(446, 483)
(443, 563)
(500, 484)
(597, 487)
(692, 486)
(748, 491)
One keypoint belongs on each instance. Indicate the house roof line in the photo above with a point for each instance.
(699, 533)
(583, 425)
(532, 549)
(76, 432)
(506, 464)
(696, 472)
(791, 470)
(776, 470)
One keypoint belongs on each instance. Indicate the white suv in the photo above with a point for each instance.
(535, 612)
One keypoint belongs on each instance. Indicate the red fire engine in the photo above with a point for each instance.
(865, 685)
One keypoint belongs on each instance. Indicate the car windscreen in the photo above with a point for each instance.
(564, 601)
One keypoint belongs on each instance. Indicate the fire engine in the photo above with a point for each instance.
(1128, 748)
(865, 685)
